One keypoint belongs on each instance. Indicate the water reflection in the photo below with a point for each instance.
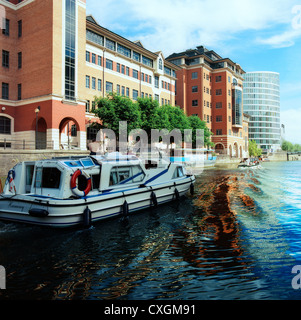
(229, 241)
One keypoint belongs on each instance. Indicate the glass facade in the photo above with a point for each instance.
(262, 103)
(70, 51)
(237, 113)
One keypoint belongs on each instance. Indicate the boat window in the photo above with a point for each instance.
(178, 173)
(29, 176)
(95, 181)
(125, 175)
(48, 178)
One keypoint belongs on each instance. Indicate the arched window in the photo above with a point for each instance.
(5, 125)
(160, 64)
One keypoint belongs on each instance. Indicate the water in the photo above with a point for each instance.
(237, 238)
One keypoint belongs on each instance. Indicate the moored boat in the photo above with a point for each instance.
(247, 163)
(79, 191)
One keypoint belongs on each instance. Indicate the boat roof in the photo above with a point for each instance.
(92, 161)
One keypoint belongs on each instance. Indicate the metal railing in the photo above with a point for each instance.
(12, 144)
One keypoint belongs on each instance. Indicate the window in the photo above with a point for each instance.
(5, 59)
(5, 125)
(110, 44)
(125, 175)
(146, 61)
(93, 83)
(160, 64)
(195, 89)
(5, 91)
(5, 29)
(94, 58)
(87, 56)
(127, 71)
(135, 74)
(70, 49)
(195, 103)
(88, 106)
(99, 60)
(219, 132)
(73, 130)
(109, 87)
(194, 75)
(128, 92)
(219, 118)
(99, 84)
(94, 37)
(118, 67)
(124, 50)
(218, 78)
(19, 60)
(136, 56)
(19, 91)
(87, 81)
(122, 69)
(135, 94)
(48, 178)
(109, 64)
(156, 82)
(178, 173)
(19, 28)
(118, 89)
(219, 105)
(218, 92)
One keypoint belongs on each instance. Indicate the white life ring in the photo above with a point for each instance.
(74, 187)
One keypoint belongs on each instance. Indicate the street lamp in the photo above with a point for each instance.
(37, 110)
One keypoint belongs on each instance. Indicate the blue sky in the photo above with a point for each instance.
(260, 35)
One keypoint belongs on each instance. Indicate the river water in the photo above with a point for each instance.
(238, 237)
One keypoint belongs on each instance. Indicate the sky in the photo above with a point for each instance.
(260, 35)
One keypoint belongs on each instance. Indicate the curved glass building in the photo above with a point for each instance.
(261, 95)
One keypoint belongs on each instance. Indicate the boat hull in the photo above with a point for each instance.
(44, 211)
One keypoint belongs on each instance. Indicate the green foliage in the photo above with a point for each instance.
(254, 151)
(290, 147)
(114, 108)
(196, 123)
(146, 114)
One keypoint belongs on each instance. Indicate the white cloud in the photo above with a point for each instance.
(175, 25)
(285, 39)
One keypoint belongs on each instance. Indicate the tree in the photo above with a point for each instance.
(196, 123)
(114, 108)
(290, 147)
(146, 114)
(254, 151)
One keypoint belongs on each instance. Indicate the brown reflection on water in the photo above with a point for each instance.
(212, 243)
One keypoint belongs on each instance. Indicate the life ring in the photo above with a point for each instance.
(74, 187)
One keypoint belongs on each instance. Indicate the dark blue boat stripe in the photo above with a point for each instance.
(156, 177)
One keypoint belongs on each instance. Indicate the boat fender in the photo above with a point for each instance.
(192, 189)
(38, 213)
(154, 199)
(177, 194)
(87, 218)
(125, 208)
(74, 187)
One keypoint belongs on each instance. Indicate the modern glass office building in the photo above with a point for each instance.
(261, 95)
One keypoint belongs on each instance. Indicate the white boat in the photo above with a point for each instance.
(246, 163)
(66, 192)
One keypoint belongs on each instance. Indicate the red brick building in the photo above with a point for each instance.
(55, 60)
(211, 87)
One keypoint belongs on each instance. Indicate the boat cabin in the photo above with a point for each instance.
(51, 178)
